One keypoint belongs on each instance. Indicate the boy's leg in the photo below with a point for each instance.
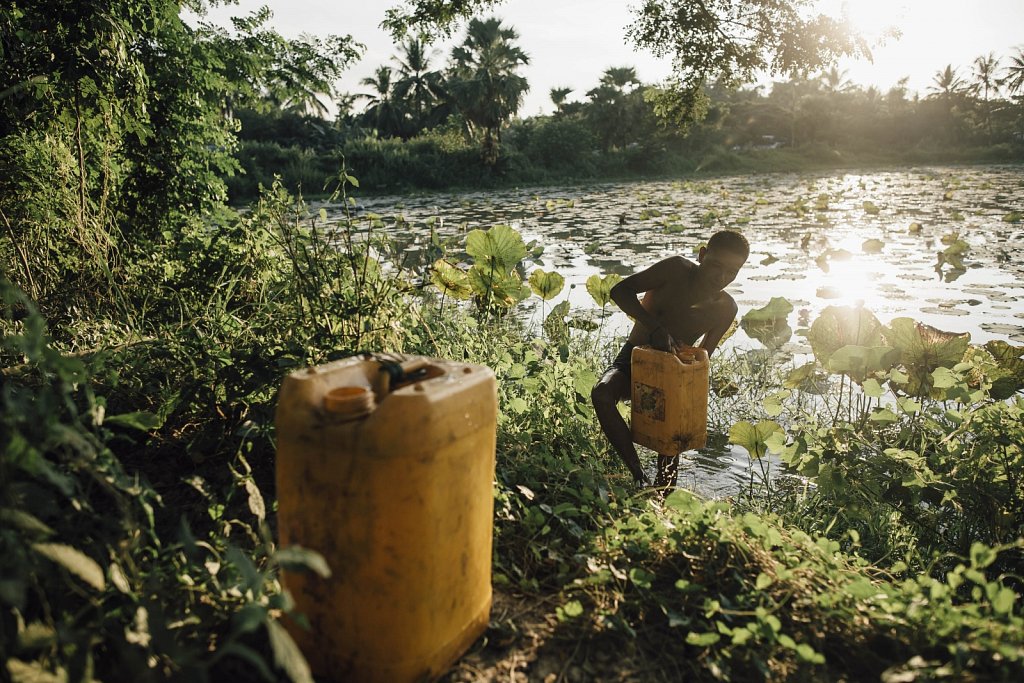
(612, 388)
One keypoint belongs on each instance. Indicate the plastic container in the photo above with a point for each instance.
(387, 469)
(670, 399)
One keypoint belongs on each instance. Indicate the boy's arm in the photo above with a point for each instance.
(627, 292)
(714, 335)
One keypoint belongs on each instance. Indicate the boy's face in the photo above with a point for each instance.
(718, 267)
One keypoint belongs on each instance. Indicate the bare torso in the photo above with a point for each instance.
(686, 312)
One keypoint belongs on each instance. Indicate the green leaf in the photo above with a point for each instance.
(572, 608)
(883, 416)
(857, 362)
(24, 521)
(840, 326)
(1002, 603)
(450, 280)
(546, 285)
(297, 558)
(872, 388)
(287, 655)
(870, 208)
(753, 437)
(583, 381)
(142, 420)
(518, 405)
(76, 562)
(500, 248)
(702, 639)
(923, 349)
(33, 672)
(763, 581)
(600, 288)
(777, 307)
(982, 555)
(248, 618)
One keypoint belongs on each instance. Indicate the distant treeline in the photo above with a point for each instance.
(422, 128)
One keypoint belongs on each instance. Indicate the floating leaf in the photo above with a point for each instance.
(840, 326)
(777, 307)
(600, 288)
(75, 561)
(870, 208)
(872, 246)
(914, 228)
(546, 285)
(1013, 217)
(752, 437)
(450, 280)
(923, 349)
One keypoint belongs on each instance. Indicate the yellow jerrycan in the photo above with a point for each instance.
(385, 466)
(669, 399)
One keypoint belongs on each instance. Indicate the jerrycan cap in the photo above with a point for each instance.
(350, 402)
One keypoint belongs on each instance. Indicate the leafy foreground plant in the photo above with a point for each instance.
(89, 586)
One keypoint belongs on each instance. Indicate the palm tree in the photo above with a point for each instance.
(558, 96)
(947, 83)
(418, 88)
(985, 80)
(1013, 75)
(835, 81)
(619, 77)
(484, 83)
(382, 112)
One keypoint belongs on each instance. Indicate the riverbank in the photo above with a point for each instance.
(387, 168)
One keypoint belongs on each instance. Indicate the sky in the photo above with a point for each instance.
(571, 42)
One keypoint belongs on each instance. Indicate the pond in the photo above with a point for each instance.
(942, 245)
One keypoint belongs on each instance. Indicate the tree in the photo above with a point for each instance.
(484, 81)
(614, 111)
(708, 40)
(382, 111)
(947, 84)
(835, 81)
(1013, 75)
(419, 89)
(558, 96)
(985, 81)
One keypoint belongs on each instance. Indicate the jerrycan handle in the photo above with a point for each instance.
(403, 372)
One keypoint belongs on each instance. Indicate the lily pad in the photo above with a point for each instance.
(872, 246)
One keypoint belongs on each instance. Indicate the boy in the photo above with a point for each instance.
(682, 301)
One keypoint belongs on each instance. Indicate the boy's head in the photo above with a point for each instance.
(722, 258)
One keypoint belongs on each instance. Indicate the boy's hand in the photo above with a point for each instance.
(660, 339)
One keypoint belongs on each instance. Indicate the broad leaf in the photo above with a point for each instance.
(600, 288)
(840, 326)
(858, 362)
(142, 420)
(753, 437)
(450, 280)
(778, 307)
(546, 285)
(923, 349)
(496, 287)
(501, 247)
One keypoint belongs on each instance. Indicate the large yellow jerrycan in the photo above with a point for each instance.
(385, 466)
(669, 403)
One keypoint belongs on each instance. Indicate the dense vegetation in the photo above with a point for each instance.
(146, 327)
(421, 129)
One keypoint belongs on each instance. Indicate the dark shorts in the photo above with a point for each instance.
(624, 361)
